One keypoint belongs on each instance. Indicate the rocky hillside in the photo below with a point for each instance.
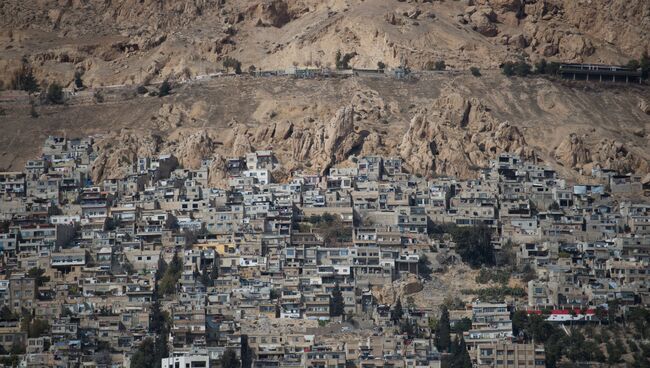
(136, 41)
(439, 125)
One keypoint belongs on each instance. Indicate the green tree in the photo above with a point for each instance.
(171, 275)
(508, 68)
(246, 353)
(522, 69)
(381, 65)
(397, 313)
(424, 267)
(519, 322)
(460, 356)
(24, 79)
(474, 245)
(633, 64)
(229, 359)
(644, 64)
(440, 65)
(475, 71)
(614, 353)
(32, 109)
(165, 88)
(232, 63)
(7, 314)
(342, 62)
(338, 305)
(540, 66)
(144, 356)
(552, 68)
(54, 93)
(443, 331)
(78, 82)
(465, 324)
(37, 274)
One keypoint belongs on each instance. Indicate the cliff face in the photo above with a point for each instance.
(133, 41)
(438, 127)
(449, 130)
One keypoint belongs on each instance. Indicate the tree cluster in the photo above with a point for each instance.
(435, 65)
(165, 88)
(37, 275)
(474, 245)
(643, 63)
(171, 275)
(24, 79)
(337, 307)
(523, 69)
(331, 228)
(54, 94)
(232, 63)
(458, 355)
(343, 61)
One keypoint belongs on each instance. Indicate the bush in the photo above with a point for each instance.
(474, 245)
(165, 89)
(519, 68)
(475, 71)
(98, 96)
(342, 61)
(633, 64)
(54, 93)
(487, 275)
(141, 90)
(508, 69)
(24, 80)
(552, 68)
(522, 69)
(540, 67)
(78, 82)
(232, 63)
(440, 65)
(32, 110)
(381, 65)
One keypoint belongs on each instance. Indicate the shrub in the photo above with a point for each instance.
(24, 80)
(141, 90)
(553, 68)
(474, 245)
(475, 71)
(32, 110)
(164, 89)
(232, 63)
(54, 93)
(519, 68)
(342, 61)
(540, 67)
(78, 82)
(440, 65)
(522, 69)
(508, 68)
(98, 96)
(381, 65)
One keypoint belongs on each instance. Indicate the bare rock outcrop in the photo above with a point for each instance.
(456, 137)
(190, 147)
(118, 151)
(644, 106)
(612, 154)
(572, 152)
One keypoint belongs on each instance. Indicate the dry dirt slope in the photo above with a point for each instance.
(440, 124)
(134, 41)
